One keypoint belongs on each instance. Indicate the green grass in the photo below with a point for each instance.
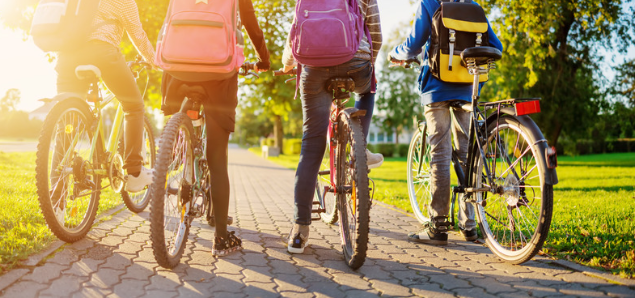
(593, 213)
(23, 230)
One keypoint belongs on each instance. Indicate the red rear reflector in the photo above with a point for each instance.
(192, 114)
(527, 107)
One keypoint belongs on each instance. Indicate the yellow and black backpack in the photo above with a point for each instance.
(455, 27)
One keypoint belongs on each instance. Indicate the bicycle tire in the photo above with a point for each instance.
(137, 202)
(419, 190)
(70, 119)
(353, 205)
(177, 134)
(327, 199)
(524, 192)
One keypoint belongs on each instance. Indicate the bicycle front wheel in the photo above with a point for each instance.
(68, 187)
(515, 216)
(419, 185)
(326, 198)
(353, 196)
(172, 192)
(138, 201)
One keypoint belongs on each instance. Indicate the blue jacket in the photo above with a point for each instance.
(433, 90)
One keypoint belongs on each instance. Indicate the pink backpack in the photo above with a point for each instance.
(327, 32)
(201, 40)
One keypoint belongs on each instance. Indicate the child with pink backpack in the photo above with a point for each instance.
(328, 39)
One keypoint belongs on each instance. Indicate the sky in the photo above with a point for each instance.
(26, 67)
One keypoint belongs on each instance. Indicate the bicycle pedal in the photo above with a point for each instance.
(316, 218)
(318, 211)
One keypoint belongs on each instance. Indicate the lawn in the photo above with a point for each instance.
(23, 230)
(594, 207)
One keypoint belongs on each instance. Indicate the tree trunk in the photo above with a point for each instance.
(555, 134)
(278, 132)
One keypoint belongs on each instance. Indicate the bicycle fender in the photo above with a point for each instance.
(63, 96)
(354, 112)
(551, 177)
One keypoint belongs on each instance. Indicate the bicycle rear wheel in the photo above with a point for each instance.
(326, 198)
(516, 216)
(68, 188)
(138, 201)
(172, 192)
(419, 185)
(353, 197)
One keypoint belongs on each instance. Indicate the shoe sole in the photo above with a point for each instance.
(473, 238)
(300, 250)
(222, 253)
(376, 165)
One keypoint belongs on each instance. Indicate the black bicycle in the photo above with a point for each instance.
(510, 169)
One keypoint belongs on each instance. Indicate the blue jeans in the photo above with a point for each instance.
(316, 107)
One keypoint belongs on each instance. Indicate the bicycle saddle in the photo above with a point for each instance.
(87, 72)
(481, 54)
(340, 87)
(191, 91)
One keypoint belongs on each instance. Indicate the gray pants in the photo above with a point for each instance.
(440, 130)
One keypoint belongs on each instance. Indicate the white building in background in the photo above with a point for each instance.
(41, 112)
(377, 135)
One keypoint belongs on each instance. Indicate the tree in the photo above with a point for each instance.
(552, 50)
(10, 100)
(624, 84)
(398, 101)
(268, 94)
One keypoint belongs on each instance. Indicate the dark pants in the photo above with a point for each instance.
(119, 79)
(316, 108)
(220, 110)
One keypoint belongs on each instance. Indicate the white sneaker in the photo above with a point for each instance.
(374, 160)
(135, 184)
(298, 239)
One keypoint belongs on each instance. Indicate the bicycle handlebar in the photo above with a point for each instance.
(246, 70)
(404, 63)
(292, 71)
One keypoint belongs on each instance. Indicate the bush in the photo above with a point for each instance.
(387, 150)
(291, 146)
(267, 142)
(402, 149)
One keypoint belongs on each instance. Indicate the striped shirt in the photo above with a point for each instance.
(115, 16)
(371, 17)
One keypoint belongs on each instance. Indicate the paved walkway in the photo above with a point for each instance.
(116, 259)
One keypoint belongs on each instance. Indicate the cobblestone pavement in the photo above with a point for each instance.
(116, 259)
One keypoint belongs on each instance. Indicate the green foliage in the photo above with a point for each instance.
(9, 100)
(402, 150)
(397, 96)
(552, 50)
(23, 231)
(386, 149)
(16, 124)
(624, 85)
(292, 146)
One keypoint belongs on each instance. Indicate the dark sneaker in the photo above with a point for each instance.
(433, 233)
(226, 245)
(298, 239)
(469, 235)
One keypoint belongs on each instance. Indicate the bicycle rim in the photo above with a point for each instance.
(68, 189)
(138, 201)
(515, 220)
(172, 192)
(353, 198)
(327, 199)
(419, 186)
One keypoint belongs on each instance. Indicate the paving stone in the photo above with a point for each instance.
(532, 287)
(24, 289)
(576, 289)
(64, 286)
(490, 285)
(256, 274)
(322, 289)
(257, 289)
(449, 282)
(391, 288)
(130, 288)
(105, 278)
(290, 282)
(472, 293)
(360, 293)
(117, 261)
(65, 257)
(430, 290)
(195, 289)
(254, 259)
(139, 271)
(155, 293)
(296, 295)
(351, 281)
(45, 273)
(227, 283)
(90, 292)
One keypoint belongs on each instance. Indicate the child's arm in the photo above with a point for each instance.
(250, 22)
(419, 35)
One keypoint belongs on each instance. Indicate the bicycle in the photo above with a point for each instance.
(342, 187)
(181, 186)
(72, 158)
(510, 168)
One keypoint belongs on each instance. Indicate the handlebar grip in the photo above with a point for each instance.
(247, 66)
(282, 73)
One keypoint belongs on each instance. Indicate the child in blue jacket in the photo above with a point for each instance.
(436, 97)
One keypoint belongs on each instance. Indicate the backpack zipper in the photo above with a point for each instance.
(306, 12)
